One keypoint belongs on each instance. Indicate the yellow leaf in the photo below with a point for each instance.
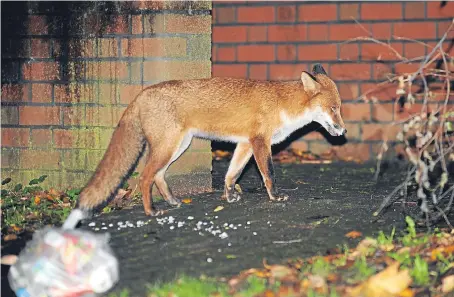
(407, 293)
(447, 284)
(238, 188)
(219, 208)
(388, 283)
(186, 200)
(37, 199)
(353, 234)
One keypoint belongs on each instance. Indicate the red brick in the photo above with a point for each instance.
(37, 25)
(381, 31)
(39, 48)
(214, 50)
(381, 71)
(39, 115)
(434, 9)
(33, 159)
(286, 13)
(410, 110)
(195, 24)
(107, 70)
(356, 71)
(226, 54)
(263, 14)
(287, 33)
(41, 71)
(380, 52)
(257, 33)
(229, 34)
(386, 92)
(419, 30)
(317, 52)
(414, 10)
(382, 112)
(73, 115)
(255, 53)
(119, 25)
(414, 50)
(41, 92)
(103, 116)
(107, 47)
(354, 131)
(14, 92)
(381, 11)
(349, 51)
(300, 145)
(352, 151)
(406, 68)
(259, 72)
(318, 32)
(317, 12)
(129, 93)
(154, 47)
(345, 31)
(349, 11)
(443, 28)
(380, 132)
(286, 71)
(41, 137)
(137, 24)
(286, 52)
(74, 138)
(239, 70)
(355, 111)
(348, 91)
(15, 137)
(224, 15)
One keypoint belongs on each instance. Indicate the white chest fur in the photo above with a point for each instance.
(289, 125)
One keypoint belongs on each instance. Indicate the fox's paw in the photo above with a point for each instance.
(234, 197)
(279, 198)
(154, 212)
(172, 201)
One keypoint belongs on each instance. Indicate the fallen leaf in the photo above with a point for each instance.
(16, 228)
(407, 293)
(447, 284)
(388, 283)
(8, 260)
(37, 200)
(238, 188)
(353, 234)
(10, 237)
(219, 208)
(186, 200)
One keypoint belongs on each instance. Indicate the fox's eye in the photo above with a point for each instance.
(333, 108)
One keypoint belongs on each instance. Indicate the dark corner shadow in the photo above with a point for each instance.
(312, 127)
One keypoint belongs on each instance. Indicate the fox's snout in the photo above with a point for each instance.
(339, 128)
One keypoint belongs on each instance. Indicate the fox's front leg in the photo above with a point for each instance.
(261, 148)
(241, 156)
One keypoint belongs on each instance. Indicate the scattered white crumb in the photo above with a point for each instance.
(110, 225)
(209, 260)
(96, 229)
(172, 227)
(229, 244)
(219, 250)
(92, 224)
(190, 218)
(104, 228)
(255, 233)
(223, 235)
(248, 222)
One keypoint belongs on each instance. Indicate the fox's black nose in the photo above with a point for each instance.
(345, 131)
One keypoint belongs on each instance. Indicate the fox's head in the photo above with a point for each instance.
(324, 102)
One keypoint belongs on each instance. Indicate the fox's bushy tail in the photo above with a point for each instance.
(121, 158)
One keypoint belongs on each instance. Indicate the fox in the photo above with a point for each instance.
(254, 114)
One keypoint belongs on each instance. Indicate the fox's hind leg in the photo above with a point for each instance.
(162, 154)
(241, 156)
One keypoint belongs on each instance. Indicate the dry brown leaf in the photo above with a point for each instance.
(187, 200)
(353, 234)
(388, 283)
(447, 284)
(364, 248)
(37, 200)
(8, 260)
(10, 237)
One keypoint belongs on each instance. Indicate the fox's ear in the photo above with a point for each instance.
(310, 85)
(318, 69)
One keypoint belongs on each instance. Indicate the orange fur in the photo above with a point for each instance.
(167, 115)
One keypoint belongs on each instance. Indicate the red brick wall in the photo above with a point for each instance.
(69, 71)
(278, 40)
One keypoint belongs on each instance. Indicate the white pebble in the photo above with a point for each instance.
(223, 235)
(118, 229)
(229, 244)
(216, 217)
(200, 233)
(239, 225)
(180, 224)
(225, 224)
(104, 228)
(103, 224)
(120, 223)
(190, 218)
(234, 228)
(96, 229)
(92, 224)
(110, 225)
(172, 227)
(206, 213)
(209, 260)
(255, 233)
(248, 222)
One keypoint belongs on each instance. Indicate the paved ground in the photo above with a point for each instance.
(326, 202)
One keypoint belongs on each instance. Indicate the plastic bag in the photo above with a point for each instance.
(64, 262)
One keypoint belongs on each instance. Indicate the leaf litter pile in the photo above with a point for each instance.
(386, 266)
